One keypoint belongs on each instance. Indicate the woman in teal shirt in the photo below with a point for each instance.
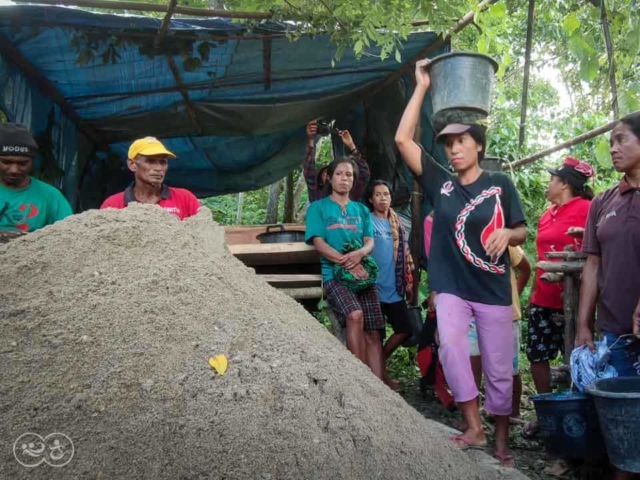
(332, 222)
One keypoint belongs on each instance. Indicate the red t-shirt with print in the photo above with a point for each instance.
(552, 237)
(177, 201)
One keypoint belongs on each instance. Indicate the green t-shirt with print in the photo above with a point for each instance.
(33, 207)
(327, 220)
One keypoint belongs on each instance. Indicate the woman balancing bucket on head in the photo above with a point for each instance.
(477, 215)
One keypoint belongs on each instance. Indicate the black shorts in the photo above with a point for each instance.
(397, 315)
(545, 337)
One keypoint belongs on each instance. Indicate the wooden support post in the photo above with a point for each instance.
(166, 22)
(184, 92)
(266, 62)
(416, 226)
(416, 229)
(527, 67)
(570, 299)
(288, 199)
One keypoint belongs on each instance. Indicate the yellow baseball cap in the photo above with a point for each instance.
(148, 146)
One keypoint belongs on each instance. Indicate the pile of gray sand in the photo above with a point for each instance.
(107, 322)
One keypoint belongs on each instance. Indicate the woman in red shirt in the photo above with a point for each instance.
(561, 225)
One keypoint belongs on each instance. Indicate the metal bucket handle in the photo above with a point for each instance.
(278, 226)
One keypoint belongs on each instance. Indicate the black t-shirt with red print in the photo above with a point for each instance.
(464, 218)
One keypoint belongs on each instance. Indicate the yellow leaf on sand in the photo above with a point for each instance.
(219, 363)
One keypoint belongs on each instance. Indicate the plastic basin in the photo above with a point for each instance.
(569, 425)
(618, 405)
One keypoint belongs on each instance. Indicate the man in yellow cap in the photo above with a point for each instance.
(148, 160)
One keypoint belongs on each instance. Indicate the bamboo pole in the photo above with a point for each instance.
(150, 7)
(184, 91)
(569, 143)
(166, 23)
(527, 68)
(612, 64)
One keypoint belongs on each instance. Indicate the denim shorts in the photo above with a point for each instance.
(623, 354)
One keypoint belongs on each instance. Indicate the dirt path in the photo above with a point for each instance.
(530, 456)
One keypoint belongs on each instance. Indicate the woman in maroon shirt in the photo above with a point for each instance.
(561, 225)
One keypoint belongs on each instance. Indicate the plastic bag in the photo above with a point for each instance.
(588, 366)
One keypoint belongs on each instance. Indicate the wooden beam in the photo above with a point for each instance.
(275, 254)
(151, 7)
(440, 41)
(48, 89)
(552, 277)
(561, 267)
(292, 281)
(302, 293)
(527, 68)
(166, 24)
(569, 143)
(567, 255)
(184, 92)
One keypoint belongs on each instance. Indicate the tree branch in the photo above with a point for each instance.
(334, 15)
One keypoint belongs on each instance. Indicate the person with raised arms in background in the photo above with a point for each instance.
(477, 216)
(316, 179)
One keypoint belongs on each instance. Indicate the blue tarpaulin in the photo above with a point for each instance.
(232, 104)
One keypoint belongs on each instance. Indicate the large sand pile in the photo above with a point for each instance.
(107, 322)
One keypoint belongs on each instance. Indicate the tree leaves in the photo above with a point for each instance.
(571, 23)
(603, 157)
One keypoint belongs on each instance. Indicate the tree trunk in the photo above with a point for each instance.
(289, 200)
(527, 67)
(612, 64)
(274, 200)
(240, 207)
(297, 195)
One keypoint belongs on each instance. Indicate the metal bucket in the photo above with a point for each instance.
(462, 80)
(281, 236)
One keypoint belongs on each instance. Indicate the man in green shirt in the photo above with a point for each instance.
(26, 203)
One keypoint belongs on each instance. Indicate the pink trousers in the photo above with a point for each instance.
(495, 338)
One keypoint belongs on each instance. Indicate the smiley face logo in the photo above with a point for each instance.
(31, 450)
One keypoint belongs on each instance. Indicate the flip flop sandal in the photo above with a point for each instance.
(466, 445)
(504, 459)
(530, 431)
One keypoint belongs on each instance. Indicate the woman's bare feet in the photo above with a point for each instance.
(470, 439)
